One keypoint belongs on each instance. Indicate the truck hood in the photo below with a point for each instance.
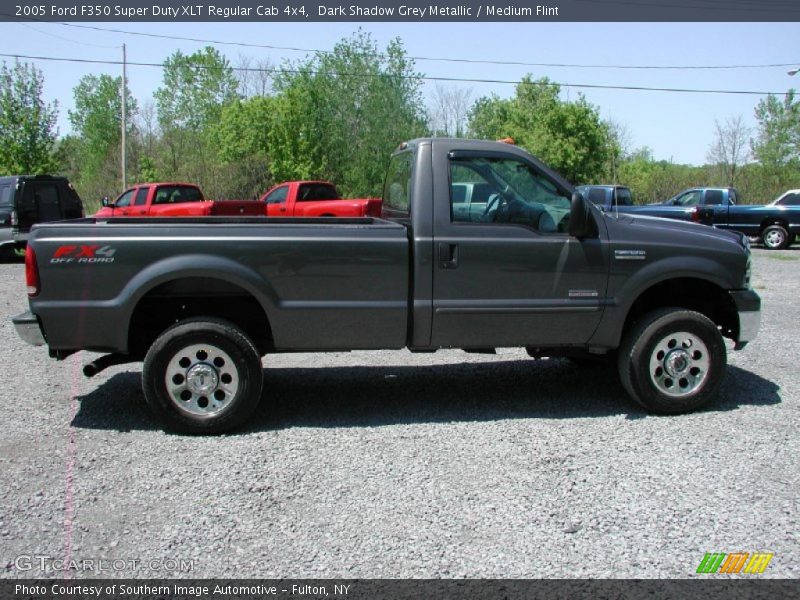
(656, 228)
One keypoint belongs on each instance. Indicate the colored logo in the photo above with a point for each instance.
(83, 254)
(736, 562)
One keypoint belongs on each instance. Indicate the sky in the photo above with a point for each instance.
(676, 126)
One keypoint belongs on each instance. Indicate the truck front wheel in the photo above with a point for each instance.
(672, 361)
(202, 376)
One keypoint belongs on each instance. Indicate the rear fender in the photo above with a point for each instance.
(193, 265)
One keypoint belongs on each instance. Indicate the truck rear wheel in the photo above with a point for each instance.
(202, 376)
(775, 237)
(673, 361)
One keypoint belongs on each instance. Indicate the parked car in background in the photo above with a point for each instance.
(704, 196)
(173, 199)
(776, 224)
(316, 199)
(606, 197)
(26, 200)
(471, 200)
(683, 206)
(788, 198)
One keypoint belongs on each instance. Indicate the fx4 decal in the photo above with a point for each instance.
(83, 254)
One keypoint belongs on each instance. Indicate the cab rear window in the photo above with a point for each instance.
(398, 179)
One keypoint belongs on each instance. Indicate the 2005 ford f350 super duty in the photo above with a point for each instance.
(534, 266)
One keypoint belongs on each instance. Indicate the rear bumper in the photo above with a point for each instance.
(29, 329)
(13, 236)
(6, 236)
(748, 307)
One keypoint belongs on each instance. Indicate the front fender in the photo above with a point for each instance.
(626, 287)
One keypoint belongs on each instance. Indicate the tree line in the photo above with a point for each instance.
(338, 115)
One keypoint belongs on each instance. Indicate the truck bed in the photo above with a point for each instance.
(322, 283)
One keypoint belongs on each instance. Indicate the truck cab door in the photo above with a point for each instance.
(276, 201)
(140, 208)
(122, 206)
(716, 204)
(511, 275)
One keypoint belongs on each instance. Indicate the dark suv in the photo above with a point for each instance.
(26, 200)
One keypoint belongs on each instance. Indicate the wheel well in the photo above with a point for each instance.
(327, 215)
(693, 294)
(774, 221)
(180, 299)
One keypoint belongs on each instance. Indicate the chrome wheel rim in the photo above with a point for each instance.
(679, 364)
(774, 238)
(202, 380)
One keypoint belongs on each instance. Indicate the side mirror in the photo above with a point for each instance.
(106, 202)
(676, 202)
(581, 221)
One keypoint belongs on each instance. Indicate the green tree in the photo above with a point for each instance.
(777, 142)
(656, 180)
(27, 124)
(569, 136)
(96, 123)
(340, 114)
(189, 103)
(244, 127)
(242, 139)
(194, 90)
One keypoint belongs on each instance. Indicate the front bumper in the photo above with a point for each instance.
(748, 307)
(29, 329)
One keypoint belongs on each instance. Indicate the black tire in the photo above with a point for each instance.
(672, 361)
(202, 376)
(775, 237)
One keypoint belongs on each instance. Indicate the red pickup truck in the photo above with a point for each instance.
(174, 200)
(316, 199)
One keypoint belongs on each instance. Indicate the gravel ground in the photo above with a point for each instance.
(388, 464)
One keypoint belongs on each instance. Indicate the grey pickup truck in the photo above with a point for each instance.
(531, 265)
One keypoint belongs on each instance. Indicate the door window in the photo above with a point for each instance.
(624, 197)
(125, 199)
(141, 196)
(692, 198)
(512, 192)
(790, 200)
(597, 196)
(278, 196)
